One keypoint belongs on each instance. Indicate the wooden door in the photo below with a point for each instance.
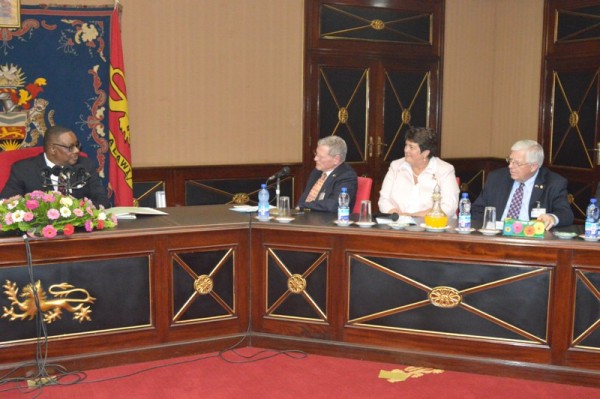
(371, 73)
(571, 97)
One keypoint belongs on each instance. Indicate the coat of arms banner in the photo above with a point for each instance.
(55, 70)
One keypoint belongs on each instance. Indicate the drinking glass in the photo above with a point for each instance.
(283, 210)
(489, 218)
(365, 212)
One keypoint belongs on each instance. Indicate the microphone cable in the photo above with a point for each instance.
(38, 378)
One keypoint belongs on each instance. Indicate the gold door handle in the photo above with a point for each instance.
(370, 146)
(380, 145)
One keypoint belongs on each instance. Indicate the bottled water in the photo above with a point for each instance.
(591, 219)
(263, 203)
(464, 212)
(344, 206)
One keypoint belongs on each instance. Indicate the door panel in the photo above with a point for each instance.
(570, 116)
(344, 107)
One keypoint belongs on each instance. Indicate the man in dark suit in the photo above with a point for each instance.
(543, 193)
(61, 149)
(331, 173)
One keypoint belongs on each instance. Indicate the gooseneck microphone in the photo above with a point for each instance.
(283, 172)
(69, 177)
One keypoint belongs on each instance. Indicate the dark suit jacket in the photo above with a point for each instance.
(26, 176)
(550, 189)
(342, 176)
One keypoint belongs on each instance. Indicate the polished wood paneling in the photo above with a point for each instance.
(518, 303)
(207, 322)
(528, 307)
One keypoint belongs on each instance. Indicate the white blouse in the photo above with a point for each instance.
(400, 191)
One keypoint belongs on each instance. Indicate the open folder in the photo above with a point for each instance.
(131, 212)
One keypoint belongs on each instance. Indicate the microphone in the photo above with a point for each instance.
(77, 177)
(283, 172)
(394, 216)
(46, 172)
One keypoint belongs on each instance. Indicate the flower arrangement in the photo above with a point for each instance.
(48, 213)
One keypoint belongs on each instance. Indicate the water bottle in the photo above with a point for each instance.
(591, 219)
(464, 212)
(344, 206)
(263, 203)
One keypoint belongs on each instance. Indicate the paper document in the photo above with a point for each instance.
(130, 212)
(247, 208)
(401, 220)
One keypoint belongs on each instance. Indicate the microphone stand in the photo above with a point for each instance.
(277, 192)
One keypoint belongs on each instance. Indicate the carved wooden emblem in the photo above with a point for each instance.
(65, 296)
(445, 297)
(296, 283)
(203, 284)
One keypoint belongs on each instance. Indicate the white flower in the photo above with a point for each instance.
(65, 212)
(66, 201)
(18, 216)
(101, 216)
(12, 205)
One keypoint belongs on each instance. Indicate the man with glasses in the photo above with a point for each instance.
(331, 173)
(525, 190)
(61, 152)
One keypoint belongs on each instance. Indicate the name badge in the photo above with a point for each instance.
(321, 196)
(536, 212)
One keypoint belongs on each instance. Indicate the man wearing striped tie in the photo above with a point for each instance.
(525, 190)
(331, 173)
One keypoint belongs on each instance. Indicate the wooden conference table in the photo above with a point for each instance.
(203, 278)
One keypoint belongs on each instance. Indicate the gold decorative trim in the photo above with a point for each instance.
(406, 116)
(204, 288)
(369, 320)
(343, 115)
(203, 284)
(241, 198)
(296, 284)
(445, 297)
(50, 308)
(574, 118)
(377, 24)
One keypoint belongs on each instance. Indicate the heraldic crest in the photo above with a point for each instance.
(65, 297)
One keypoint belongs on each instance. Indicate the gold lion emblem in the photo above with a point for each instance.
(51, 308)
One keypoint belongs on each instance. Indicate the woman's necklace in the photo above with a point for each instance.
(417, 174)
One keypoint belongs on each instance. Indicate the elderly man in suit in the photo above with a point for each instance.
(61, 150)
(331, 173)
(525, 189)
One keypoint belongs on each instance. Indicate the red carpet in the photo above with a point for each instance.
(282, 377)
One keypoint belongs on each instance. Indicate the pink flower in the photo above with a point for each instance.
(48, 197)
(90, 211)
(78, 212)
(28, 217)
(32, 204)
(68, 229)
(53, 214)
(88, 225)
(8, 219)
(49, 231)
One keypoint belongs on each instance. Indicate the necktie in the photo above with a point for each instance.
(515, 205)
(316, 188)
(62, 184)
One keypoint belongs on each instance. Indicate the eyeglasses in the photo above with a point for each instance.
(319, 155)
(516, 163)
(70, 148)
